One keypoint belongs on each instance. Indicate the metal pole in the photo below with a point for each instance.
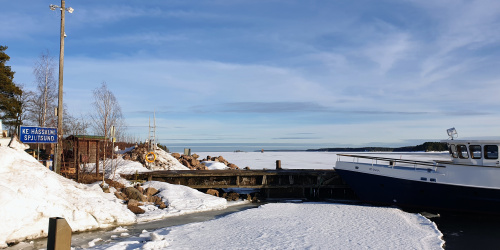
(59, 149)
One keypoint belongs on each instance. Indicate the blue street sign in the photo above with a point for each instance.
(38, 135)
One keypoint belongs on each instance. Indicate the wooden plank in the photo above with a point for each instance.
(269, 186)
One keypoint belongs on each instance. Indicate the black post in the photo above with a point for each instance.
(59, 234)
(278, 164)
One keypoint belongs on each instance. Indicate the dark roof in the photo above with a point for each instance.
(86, 137)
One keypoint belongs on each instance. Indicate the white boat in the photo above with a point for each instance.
(470, 182)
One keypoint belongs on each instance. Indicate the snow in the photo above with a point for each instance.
(214, 165)
(180, 200)
(16, 144)
(310, 159)
(117, 151)
(115, 167)
(165, 161)
(297, 226)
(30, 194)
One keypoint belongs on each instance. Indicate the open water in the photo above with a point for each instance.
(469, 231)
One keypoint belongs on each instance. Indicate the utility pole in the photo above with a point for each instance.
(58, 151)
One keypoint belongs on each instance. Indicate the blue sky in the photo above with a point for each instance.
(326, 73)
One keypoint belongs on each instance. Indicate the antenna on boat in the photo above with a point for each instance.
(452, 133)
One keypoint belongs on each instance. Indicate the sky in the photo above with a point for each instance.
(311, 73)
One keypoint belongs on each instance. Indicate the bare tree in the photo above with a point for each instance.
(43, 102)
(24, 99)
(107, 111)
(73, 125)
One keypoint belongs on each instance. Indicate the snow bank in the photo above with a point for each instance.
(180, 200)
(165, 161)
(298, 226)
(115, 167)
(214, 165)
(117, 151)
(17, 145)
(30, 194)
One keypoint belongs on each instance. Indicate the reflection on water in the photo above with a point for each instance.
(469, 231)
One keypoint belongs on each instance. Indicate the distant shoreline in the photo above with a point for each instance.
(282, 147)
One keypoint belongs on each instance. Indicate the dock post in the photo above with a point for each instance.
(278, 164)
(59, 234)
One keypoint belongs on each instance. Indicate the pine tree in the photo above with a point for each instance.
(10, 101)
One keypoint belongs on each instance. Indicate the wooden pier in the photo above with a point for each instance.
(279, 183)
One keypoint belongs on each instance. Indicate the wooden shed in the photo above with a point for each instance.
(81, 149)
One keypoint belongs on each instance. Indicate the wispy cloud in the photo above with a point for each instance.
(275, 70)
(272, 107)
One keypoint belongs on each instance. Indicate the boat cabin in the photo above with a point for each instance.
(474, 152)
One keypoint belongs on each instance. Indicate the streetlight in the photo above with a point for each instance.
(57, 157)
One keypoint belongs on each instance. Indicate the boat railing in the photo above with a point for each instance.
(393, 161)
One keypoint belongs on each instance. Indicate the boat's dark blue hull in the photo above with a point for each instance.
(427, 196)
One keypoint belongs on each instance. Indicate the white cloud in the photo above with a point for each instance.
(388, 51)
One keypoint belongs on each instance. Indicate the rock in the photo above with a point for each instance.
(150, 191)
(233, 197)
(195, 156)
(193, 162)
(162, 205)
(213, 192)
(176, 155)
(133, 193)
(155, 199)
(114, 184)
(249, 197)
(186, 163)
(201, 167)
(135, 209)
(133, 202)
(106, 189)
(120, 196)
(247, 168)
(221, 159)
(256, 198)
(232, 166)
(138, 187)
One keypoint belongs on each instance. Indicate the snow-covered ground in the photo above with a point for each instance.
(297, 226)
(181, 200)
(213, 165)
(310, 160)
(30, 194)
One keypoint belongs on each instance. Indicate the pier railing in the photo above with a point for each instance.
(393, 162)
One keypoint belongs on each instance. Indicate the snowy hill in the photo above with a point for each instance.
(30, 194)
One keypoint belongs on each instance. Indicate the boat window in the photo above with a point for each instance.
(462, 152)
(475, 151)
(491, 151)
(453, 151)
